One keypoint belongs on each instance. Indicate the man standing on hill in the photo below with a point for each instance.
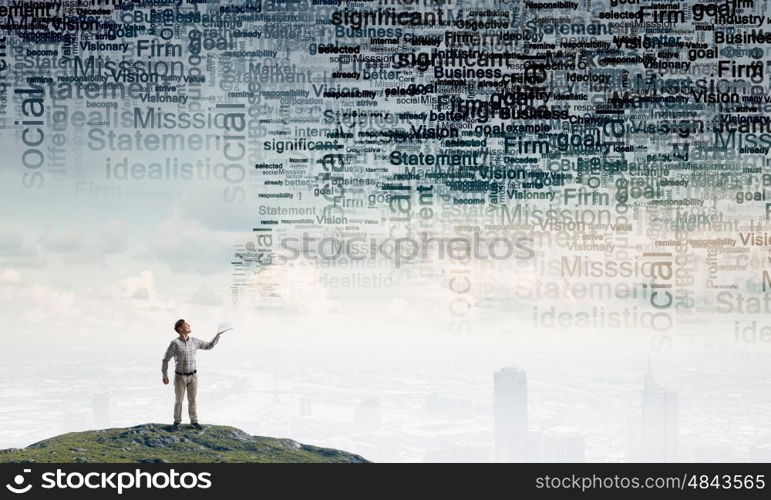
(183, 349)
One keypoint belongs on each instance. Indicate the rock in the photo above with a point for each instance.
(291, 444)
(151, 443)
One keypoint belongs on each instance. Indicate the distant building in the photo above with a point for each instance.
(458, 453)
(74, 420)
(658, 441)
(760, 453)
(100, 405)
(510, 415)
(562, 446)
(305, 407)
(367, 415)
(449, 407)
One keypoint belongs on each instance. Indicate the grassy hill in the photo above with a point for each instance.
(155, 443)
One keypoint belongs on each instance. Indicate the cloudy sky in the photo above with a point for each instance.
(84, 275)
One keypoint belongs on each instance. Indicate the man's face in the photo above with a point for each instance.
(185, 328)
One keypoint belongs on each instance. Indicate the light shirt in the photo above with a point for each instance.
(183, 352)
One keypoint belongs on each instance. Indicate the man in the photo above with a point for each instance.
(183, 350)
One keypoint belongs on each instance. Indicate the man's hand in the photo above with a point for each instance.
(165, 380)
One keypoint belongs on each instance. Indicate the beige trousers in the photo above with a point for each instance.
(184, 383)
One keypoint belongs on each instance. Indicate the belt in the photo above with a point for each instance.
(188, 373)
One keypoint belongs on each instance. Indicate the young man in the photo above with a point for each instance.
(183, 349)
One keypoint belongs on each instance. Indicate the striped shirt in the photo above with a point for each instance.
(183, 352)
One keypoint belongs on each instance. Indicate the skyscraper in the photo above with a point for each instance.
(659, 422)
(510, 424)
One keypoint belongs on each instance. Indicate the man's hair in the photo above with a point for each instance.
(178, 325)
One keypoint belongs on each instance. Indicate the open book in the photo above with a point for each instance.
(223, 327)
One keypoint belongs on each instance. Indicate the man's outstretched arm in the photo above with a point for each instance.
(165, 363)
(208, 345)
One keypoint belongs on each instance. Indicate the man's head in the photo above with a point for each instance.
(182, 327)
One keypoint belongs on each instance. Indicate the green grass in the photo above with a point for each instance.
(155, 443)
